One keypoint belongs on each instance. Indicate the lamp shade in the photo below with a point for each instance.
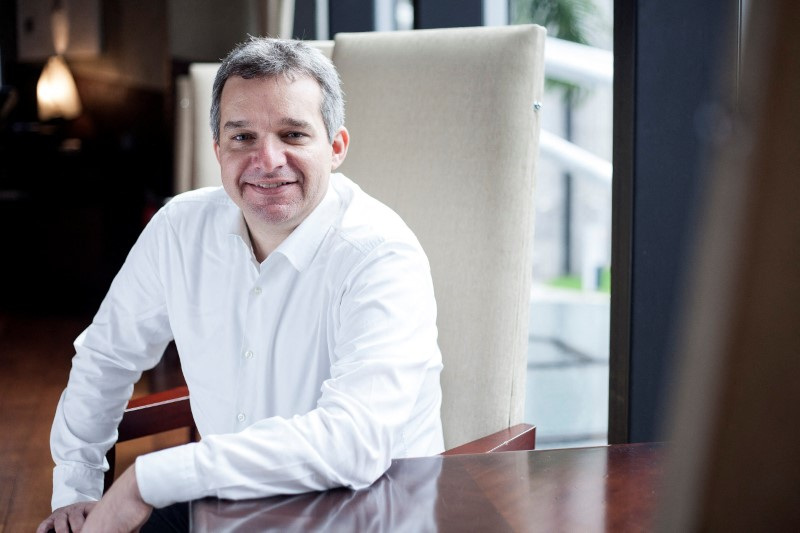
(56, 93)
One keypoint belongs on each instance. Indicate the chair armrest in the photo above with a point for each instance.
(149, 415)
(154, 413)
(521, 437)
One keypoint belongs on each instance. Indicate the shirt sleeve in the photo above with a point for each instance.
(384, 384)
(128, 335)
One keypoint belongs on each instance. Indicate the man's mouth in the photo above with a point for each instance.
(272, 185)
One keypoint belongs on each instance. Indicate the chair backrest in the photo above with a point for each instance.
(444, 130)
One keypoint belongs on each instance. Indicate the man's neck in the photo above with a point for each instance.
(265, 242)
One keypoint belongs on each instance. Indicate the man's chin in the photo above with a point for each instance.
(277, 216)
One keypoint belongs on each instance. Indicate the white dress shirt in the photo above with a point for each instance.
(311, 370)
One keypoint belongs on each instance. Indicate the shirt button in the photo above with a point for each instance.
(248, 354)
(257, 290)
(240, 417)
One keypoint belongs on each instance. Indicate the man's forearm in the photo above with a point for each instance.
(121, 509)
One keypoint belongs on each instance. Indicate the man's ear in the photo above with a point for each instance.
(216, 151)
(339, 147)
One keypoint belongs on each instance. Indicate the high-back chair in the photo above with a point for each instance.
(444, 129)
(445, 132)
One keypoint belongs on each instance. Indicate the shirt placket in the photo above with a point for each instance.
(252, 402)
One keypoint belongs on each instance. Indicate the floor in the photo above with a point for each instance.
(35, 356)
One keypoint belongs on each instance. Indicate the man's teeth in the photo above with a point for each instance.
(272, 185)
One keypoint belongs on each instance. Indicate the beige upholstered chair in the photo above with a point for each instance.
(444, 130)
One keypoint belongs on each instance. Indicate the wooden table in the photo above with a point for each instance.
(610, 488)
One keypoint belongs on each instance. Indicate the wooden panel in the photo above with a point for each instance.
(34, 365)
(35, 355)
(6, 490)
(162, 411)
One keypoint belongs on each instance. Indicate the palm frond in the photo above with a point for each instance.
(571, 20)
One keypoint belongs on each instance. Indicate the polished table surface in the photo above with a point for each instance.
(610, 488)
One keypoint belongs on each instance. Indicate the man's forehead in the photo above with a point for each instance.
(239, 99)
(286, 79)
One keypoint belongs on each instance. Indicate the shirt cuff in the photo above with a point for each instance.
(76, 483)
(168, 476)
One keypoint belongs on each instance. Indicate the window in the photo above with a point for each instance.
(567, 390)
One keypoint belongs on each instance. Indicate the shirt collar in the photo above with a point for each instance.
(237, 225)
(302, 244)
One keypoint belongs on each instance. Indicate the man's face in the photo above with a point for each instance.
(274, 151)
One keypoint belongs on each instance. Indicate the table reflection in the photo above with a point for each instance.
(403, 499)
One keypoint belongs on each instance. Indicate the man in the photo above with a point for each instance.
(302, 308)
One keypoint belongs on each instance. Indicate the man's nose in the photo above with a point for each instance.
(270, 155)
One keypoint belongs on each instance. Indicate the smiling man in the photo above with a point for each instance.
(302, 308)
(275, 164)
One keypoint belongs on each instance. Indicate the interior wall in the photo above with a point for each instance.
(134, 46)
(87, 186)
(75, 193)
(206, 30)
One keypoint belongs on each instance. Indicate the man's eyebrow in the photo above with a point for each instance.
(235, 124)
(295, 123)
(288, 121)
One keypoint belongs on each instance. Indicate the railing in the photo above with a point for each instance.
(585, 66)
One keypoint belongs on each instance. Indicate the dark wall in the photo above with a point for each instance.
(447, 13)
(351, 15)
(74, 194)
(669, 59)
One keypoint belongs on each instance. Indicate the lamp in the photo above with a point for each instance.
(56, 92)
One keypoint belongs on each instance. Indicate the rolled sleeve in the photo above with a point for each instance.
(169, 476)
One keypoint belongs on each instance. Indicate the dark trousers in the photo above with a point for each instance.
(171, 519)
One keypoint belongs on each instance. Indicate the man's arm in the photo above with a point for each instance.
(121, 509)
(384, 385)
(127, 336)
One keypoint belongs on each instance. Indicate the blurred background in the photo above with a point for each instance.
(79, 178)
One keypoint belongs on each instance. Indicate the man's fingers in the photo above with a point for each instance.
(61, 521)
(77, 516)
(67, 519)
(46, 525)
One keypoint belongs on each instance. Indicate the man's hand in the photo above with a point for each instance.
(67, 518)
(121, 509)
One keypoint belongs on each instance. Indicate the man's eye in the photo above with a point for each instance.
(242, 137)
(295, 135)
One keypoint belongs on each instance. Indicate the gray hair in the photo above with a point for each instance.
(262, 57)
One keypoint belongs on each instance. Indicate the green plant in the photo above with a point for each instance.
(571, 20)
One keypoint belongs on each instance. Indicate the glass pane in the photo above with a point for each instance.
(567, 390)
